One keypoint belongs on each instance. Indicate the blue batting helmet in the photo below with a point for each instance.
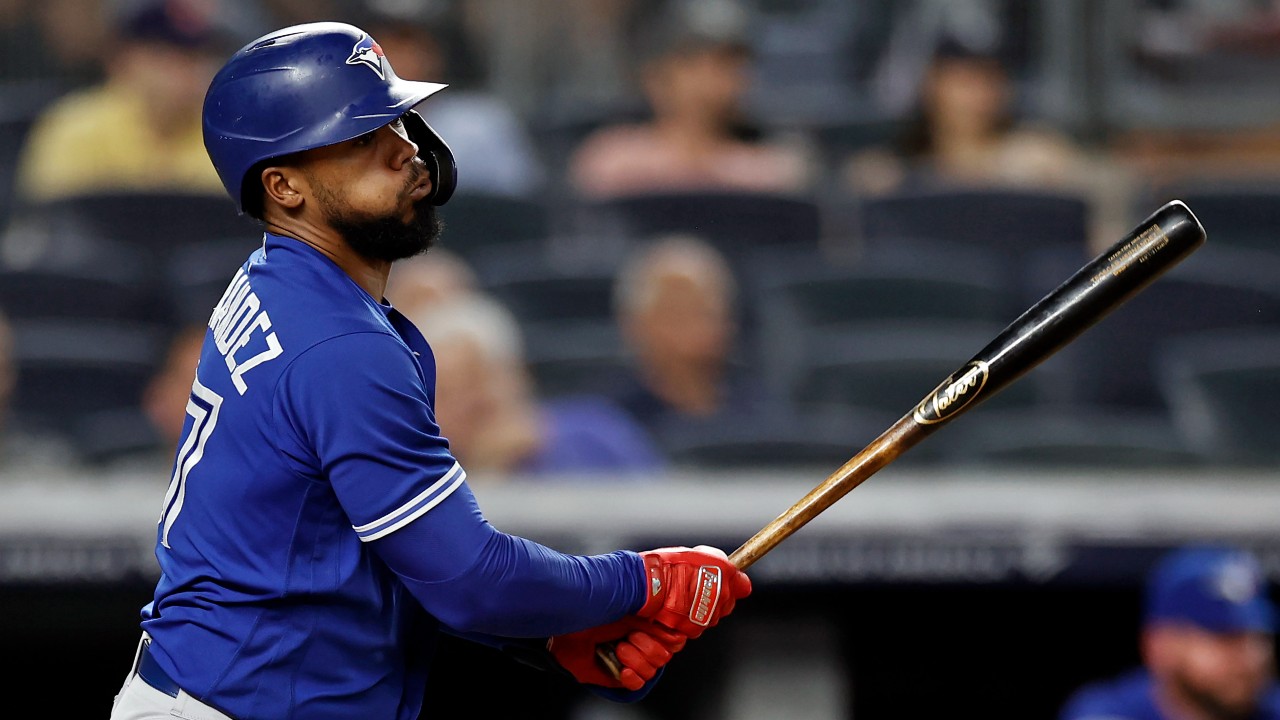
(308, 86)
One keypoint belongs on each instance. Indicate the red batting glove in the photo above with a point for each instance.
(641, 646)
(690, 589)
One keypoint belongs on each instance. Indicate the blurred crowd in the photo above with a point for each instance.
(710, 234)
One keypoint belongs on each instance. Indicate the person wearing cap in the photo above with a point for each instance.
(138, 130)
(694, 76)
(1207, 646)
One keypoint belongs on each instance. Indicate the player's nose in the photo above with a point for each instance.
(405, 150)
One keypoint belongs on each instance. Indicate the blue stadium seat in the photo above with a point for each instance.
(881, 331)
(1016, 224)
(83, 381)
(152, 221)
(565, 312)
(735, 222)
(1218, 288)
(476, 222)
(1076, 438)
(1223, 388)
(1236, 213)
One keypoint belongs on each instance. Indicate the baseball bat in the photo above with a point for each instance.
(1154, 246)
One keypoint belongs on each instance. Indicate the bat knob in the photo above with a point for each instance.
(609, 660)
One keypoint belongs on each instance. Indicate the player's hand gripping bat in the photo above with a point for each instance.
(1157, 244)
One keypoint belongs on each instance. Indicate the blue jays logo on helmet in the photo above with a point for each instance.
(368, 52)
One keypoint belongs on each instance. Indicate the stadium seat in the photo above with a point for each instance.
(1223, 388)
(87, 337)
(20, 106)
(879, 332)
(481, 221)
(734, 222)
(83, 380)
(1008, 220)
(889, 370)
(538, 287)
(197, 273)
(1081, 438)
(565, 313)
(820, 439)
(574, 358)
(79, 293)
(1017, 224)
(152, 221)
(1239, 213)
(1218, 288)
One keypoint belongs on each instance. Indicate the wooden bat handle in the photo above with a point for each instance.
(883, 450)
(901, 436)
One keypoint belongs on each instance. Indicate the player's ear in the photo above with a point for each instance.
(282, 185)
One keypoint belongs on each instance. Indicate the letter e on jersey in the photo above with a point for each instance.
(238, 320)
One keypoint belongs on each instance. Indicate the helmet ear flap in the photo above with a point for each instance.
(436, 154)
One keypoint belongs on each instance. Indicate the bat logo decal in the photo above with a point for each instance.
(953, 395)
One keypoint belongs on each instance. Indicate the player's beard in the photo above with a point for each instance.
(388, 237)
(1210, 704)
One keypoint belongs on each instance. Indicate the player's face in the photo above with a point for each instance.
(372, 190)
(1223, 674)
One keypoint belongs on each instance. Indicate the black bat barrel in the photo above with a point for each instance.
(1154, 246)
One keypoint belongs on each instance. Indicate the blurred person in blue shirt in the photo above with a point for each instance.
(1207, 646)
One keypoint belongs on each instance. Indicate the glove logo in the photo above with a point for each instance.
(369, 53)
(706, 595)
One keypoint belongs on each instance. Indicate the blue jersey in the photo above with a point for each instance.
(1131, 697)
(317, 532)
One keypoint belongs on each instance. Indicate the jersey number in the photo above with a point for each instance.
(202, 406)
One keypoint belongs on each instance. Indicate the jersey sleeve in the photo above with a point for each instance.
(359, 405)
(356, 410)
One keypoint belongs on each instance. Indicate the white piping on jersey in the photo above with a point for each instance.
(415, 508)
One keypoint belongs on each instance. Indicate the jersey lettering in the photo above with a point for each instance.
(238, 319)
(203, 407)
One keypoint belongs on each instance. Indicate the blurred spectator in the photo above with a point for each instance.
(556, 57)
(966, 131)
(140, 128)
(487, 137)
(694, 76)
(58, 43)
(487, 405)
(165, 399)
(434, 277)
(675, 302)
(1207, 646)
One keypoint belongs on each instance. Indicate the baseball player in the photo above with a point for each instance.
(1207, 646)
(317, 534)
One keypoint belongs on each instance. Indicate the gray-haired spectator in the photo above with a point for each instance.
(676, 308)
(489, 409)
